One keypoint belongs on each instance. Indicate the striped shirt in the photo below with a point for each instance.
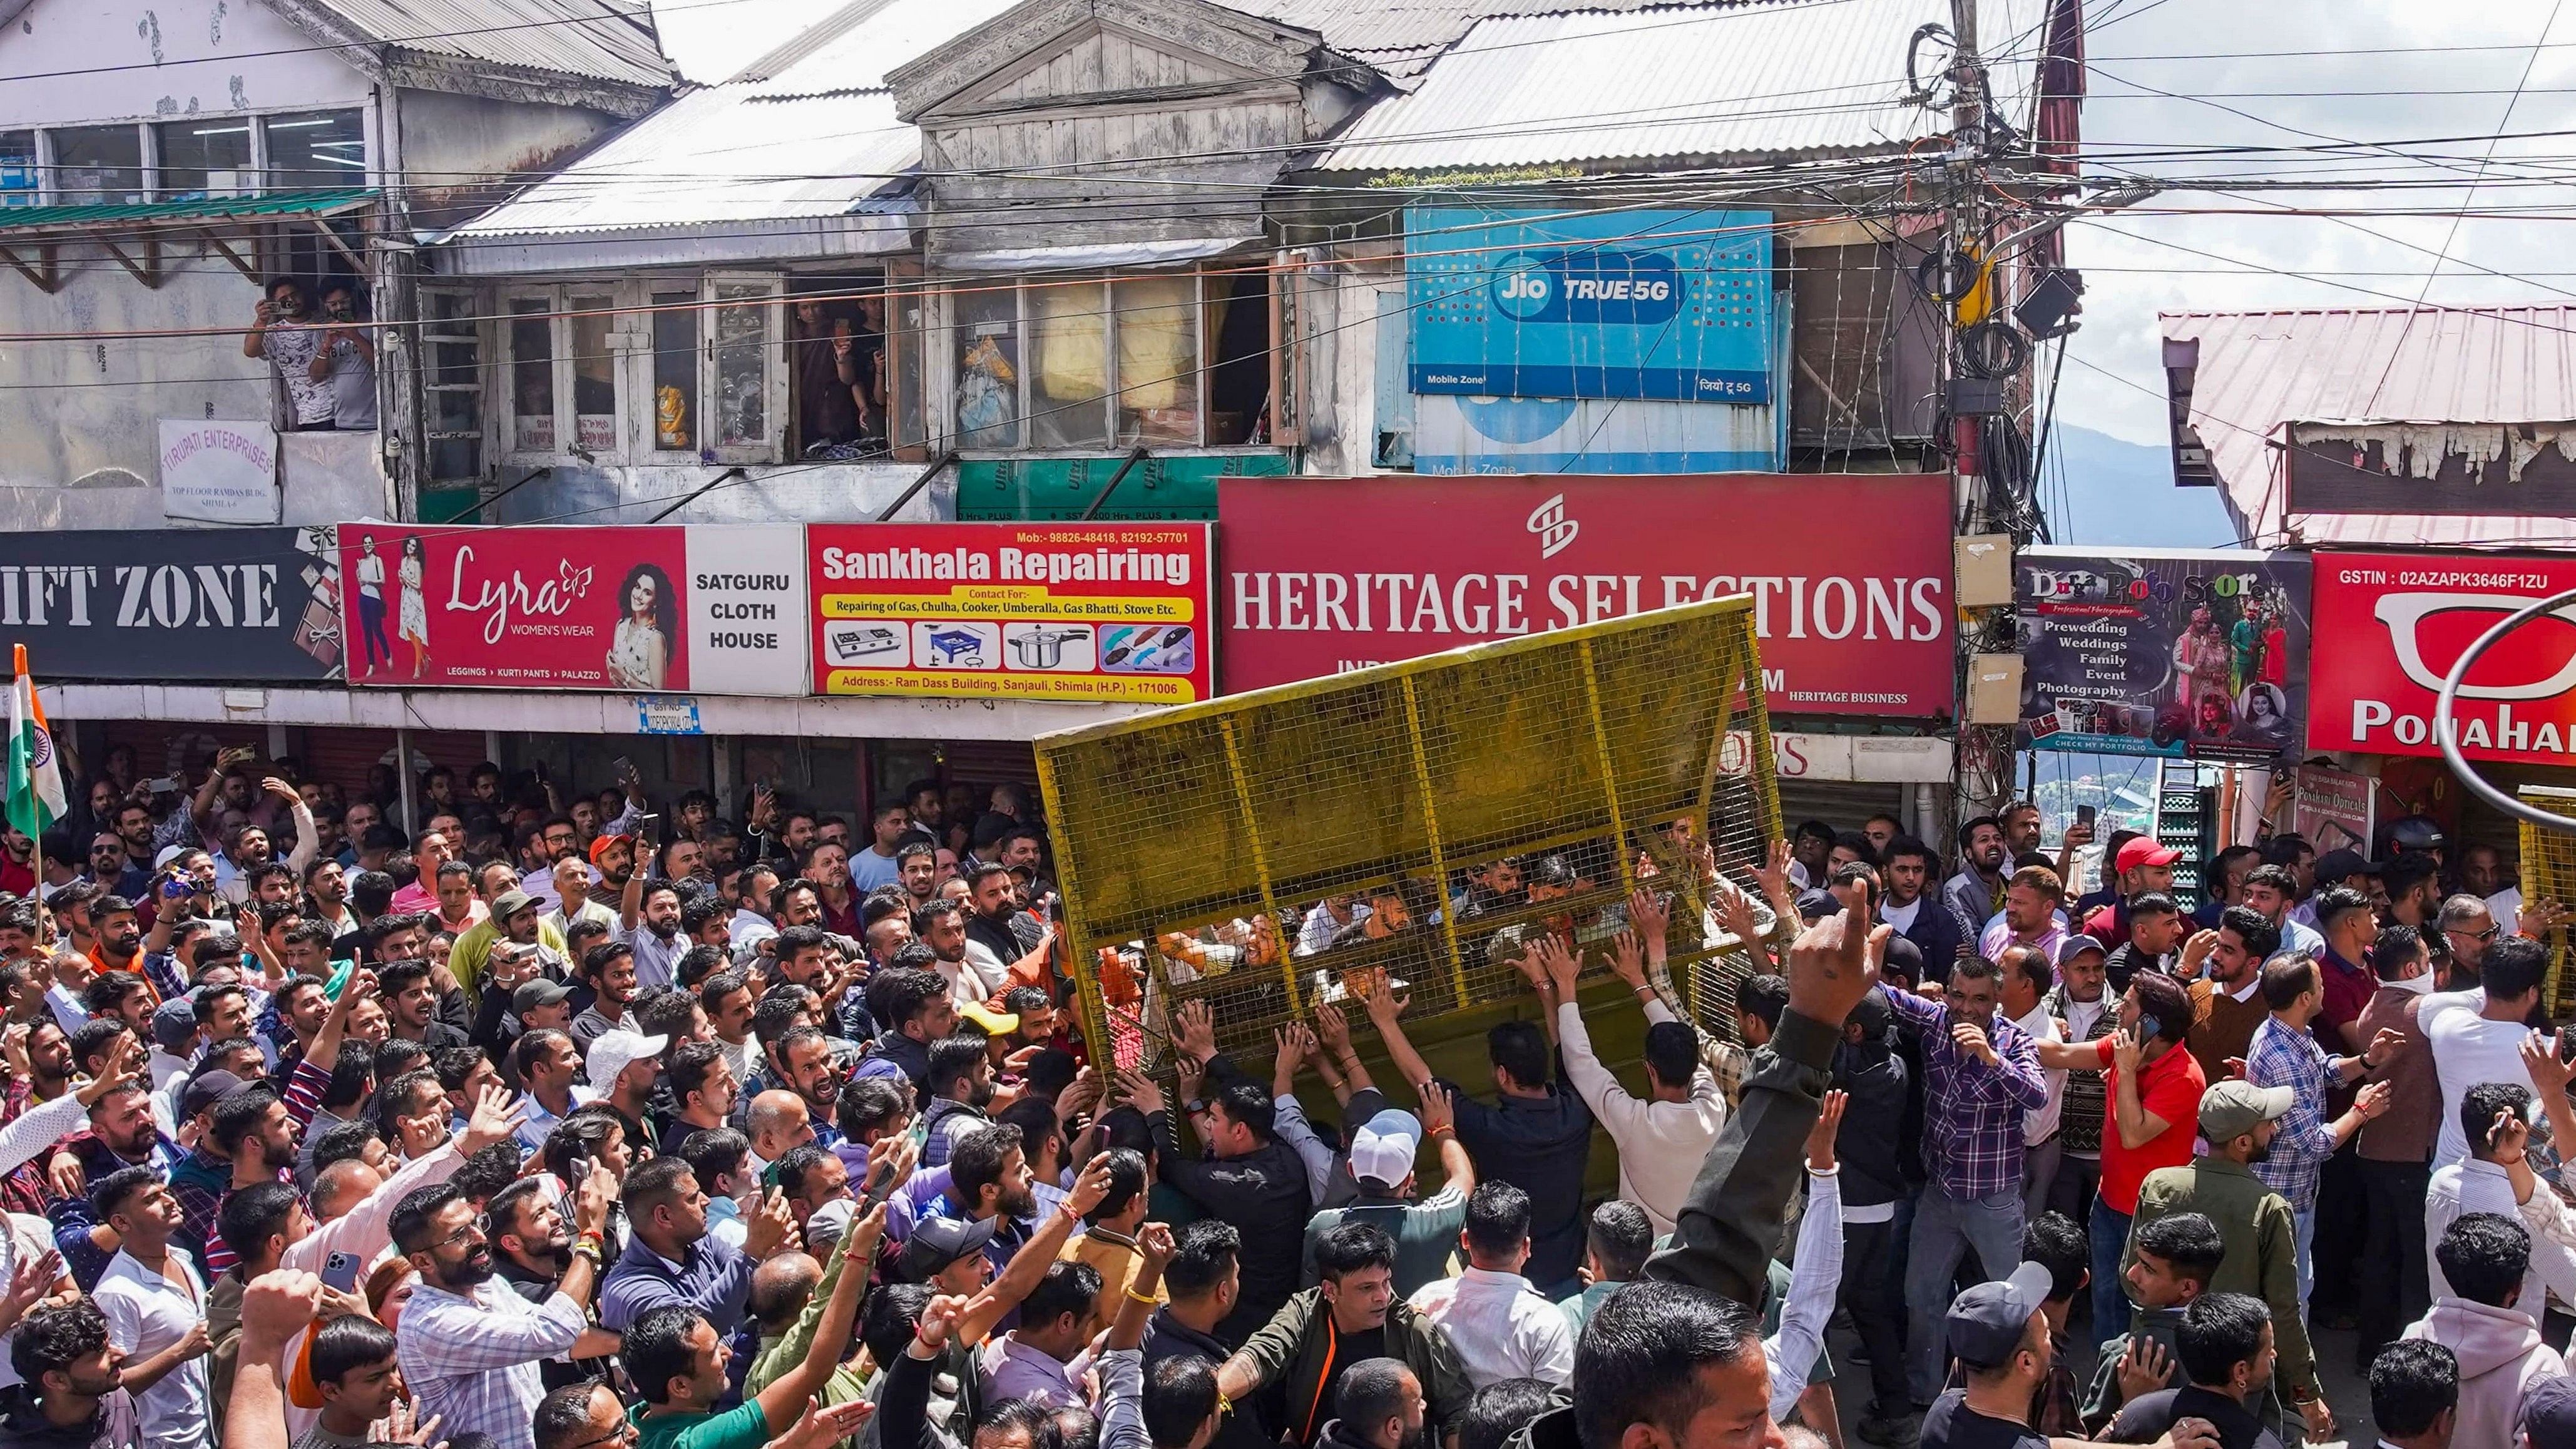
(2286, 1057)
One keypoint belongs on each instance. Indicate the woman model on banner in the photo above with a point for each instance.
(639, 656)
(413, 611)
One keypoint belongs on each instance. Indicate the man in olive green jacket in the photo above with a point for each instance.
(2238, 1120)
(1351, 1314)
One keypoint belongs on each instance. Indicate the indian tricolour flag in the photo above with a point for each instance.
(35, 777)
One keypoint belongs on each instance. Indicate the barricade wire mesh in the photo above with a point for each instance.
(1415, 823)
(2549, 873)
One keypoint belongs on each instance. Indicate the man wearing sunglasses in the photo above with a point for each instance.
(2468, 928)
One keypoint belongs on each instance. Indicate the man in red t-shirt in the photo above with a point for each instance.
(2155, 1110)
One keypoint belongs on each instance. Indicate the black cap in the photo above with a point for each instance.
(1987, 1322)
(205, 1089)
(937, 1242)
(1815, 905)
(1904, 958)
(2344, 865)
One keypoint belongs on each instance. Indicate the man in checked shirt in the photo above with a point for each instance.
(1980, 1075)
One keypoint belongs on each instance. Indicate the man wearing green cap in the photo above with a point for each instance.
(2238, 1120)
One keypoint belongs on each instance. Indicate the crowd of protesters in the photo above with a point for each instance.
(519, 1123)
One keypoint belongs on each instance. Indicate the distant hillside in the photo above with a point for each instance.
(2122, 494)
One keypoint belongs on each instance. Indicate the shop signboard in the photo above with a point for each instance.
(219, 472)
(2330, 808)
(1087, 612)
(2397, 623)
(1607, 304)
(165, 604)
(702, 610)
(1850, 573)
(2173, 652)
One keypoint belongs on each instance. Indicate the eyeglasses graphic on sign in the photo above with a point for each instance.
(2406, 616)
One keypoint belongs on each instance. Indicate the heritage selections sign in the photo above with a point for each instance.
(121, 605)
(650, 609)
(2399, 622)
(1625, 304)
(1850, 573)
(1110, 612)
(2163, 651)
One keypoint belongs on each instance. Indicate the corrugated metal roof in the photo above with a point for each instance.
(2259, 370)
(1823, 77)
(1401, 37)
(723, 154)
(601, 39)
(882, 35)
(276, 203)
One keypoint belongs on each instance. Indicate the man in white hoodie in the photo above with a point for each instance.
(2483, 1257)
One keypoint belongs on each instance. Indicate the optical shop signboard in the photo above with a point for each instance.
(1115, 613)
(2397, 623)
(704, 610)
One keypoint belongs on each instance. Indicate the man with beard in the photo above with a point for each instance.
(2238, 1120)
(1909, 907)
(516, 917)
(411, 1001)
(703, 1083)
(1380, 1407)
(71, 1391)
(993, 944)
(972, 975)
(610, 970)
(917, 869)
(326, 886)
(1973, 893)
(470, 1348)
(542, 846)
(651, 921)
(2227, 1004)
(755, 886)
(119, 934)
(961, 1087)
(1350, 1318)
(671, 1259)
(112, 865)
(989, 1182)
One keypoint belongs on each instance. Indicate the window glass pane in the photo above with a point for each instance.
(532, 377)
(1158, 359)
(742, 366)
(99, 164)
(19, 179)
(455, 386)
(904, 311)
(675, 370)
(988, 366)
(318, 151)
(1068, 364)
(594, 374)
(205, 156)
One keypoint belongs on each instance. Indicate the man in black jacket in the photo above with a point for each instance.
(1251, 1177)
(1869, 1070)
(1910, 907)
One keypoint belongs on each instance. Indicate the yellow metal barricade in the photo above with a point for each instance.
(1273, 850)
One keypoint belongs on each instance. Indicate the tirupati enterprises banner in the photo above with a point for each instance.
(1326, 575)
(2398, 622)
(1094, 612)
(2164, 651)
(163, 604)
(1621, 304)
(712, 610)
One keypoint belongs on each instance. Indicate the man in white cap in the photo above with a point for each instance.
(622, 1066)
(1381, 1160)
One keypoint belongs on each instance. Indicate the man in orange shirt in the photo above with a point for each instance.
(2155, 1108)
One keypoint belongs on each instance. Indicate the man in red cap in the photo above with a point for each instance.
(2141, 866)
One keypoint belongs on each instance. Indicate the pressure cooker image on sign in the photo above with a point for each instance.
(1064, 648)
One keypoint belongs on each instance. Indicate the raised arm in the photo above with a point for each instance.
(1819, 1271)
(1440, 1124)
(308, 835)
(1339, 1066)
(1384, 1007)
(1036, 1255)
(2137, 1125)
(785, 1395)
(1723, 1237)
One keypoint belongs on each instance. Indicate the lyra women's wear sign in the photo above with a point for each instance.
(645, 609)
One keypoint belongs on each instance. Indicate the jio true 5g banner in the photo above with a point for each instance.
(2164, 652)
(1615, 304)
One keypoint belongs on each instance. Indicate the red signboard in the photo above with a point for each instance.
(1047, 611)
(515, 608)
(1850, 573)
(2390, 626)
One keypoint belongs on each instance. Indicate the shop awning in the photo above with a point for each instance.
(1087, 258)
(132, 231)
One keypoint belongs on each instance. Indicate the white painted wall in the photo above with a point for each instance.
(189, 57)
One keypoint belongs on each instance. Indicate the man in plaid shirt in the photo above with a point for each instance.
(1980, 1075)
(2285, 1054)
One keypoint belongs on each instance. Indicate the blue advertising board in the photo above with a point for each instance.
(1612, 304)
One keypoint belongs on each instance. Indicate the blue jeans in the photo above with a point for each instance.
(1946, 1229)
(2110, 1235)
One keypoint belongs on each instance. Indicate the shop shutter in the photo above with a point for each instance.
(345, 755)
(1842, 804)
